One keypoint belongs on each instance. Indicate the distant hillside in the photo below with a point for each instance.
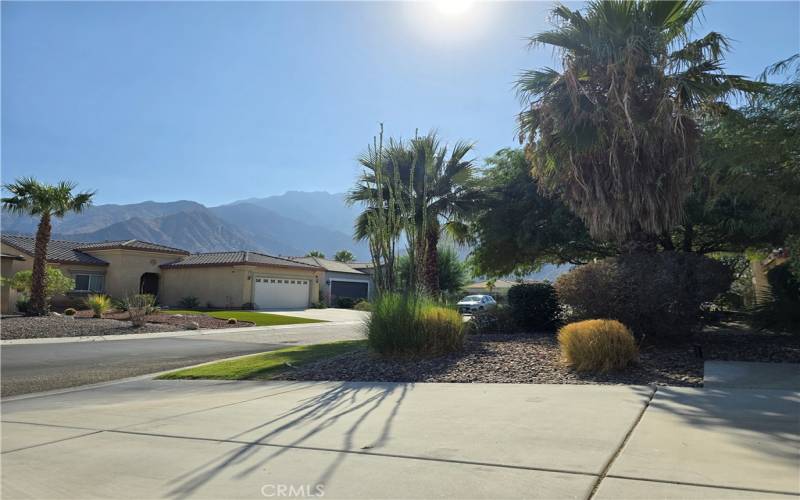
(290, 224)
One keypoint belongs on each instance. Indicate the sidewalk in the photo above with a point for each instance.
(204, 439)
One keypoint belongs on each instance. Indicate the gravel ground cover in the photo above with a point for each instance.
(535, 358)
(62, 326)
(180, 320)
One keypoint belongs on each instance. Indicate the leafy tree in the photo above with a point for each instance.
(613, 133)
(436, 193)
(344, 256)
(452, 271)
(31, 197)
(515, 228)
(315, 253)
(745, 193)
(56, 283)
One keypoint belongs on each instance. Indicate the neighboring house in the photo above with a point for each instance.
(341, 280)
(121, 268)
(248, 280)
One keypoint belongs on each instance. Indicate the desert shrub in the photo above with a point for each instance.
(344, 302)
(497, 320)
(404, 324)
(23, 304)
(318, 305)
(782, 310)
(443, 329)
(534, 305)
(69, 311)
(139, 306)
(362, 305)
(249, 306)
(233, 321)
(597, 345)
(653, 294)
(99, 304)
(189, 302)
(55, 283)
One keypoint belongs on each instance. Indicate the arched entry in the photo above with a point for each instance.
(148, 283)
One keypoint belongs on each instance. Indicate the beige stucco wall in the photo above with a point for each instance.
(125, 268)
(224, 286)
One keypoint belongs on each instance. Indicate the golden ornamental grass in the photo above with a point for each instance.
(597, 345)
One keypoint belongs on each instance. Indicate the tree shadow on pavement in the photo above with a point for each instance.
(322, 411)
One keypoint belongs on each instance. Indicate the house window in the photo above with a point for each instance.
(89, 282)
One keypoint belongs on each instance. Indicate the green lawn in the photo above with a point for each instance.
(266, 365)
(260, 319)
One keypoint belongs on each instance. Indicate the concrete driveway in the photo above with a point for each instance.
(211, 439)
(47, 364)
(329, 314)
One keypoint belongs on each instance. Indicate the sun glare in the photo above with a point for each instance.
(453, 7)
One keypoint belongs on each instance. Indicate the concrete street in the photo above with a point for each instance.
(216, 439)
(46, 364)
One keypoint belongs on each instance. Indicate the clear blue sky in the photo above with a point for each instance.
(220, 101)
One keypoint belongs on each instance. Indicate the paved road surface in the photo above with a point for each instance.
(221, 439)
(39, 367)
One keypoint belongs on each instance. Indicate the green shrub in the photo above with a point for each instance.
(534, 305)
(69, 311)
(99, 304)
(318, 305)
(55, 282)
(23, 304)
(654, 294)
(189, 302)
(782, 310)
(497, 320)
(404, 324)
(362, 305)
(344, 302)
(597, 345)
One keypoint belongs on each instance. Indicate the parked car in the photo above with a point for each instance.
(474, 303)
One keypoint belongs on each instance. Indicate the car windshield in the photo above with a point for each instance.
(472, 298)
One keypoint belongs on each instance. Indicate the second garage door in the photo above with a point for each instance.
(281, 293)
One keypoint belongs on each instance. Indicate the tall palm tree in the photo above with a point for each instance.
(31, 197)
(613, 132)
(437, 189)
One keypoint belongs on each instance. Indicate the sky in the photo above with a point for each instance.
(216, 102)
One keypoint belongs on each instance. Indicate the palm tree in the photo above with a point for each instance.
(613, 133)
(316, 253)
(437, 192)
(344, 256)
(31, 197)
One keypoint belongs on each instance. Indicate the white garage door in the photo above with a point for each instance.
(281, 293)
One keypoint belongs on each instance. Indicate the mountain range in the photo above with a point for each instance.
(289, 224)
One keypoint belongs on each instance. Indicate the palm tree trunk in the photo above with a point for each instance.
(38, 301)
(431, 272)
(640, 241)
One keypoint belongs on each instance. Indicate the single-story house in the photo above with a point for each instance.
(121, 268)
(341, 280)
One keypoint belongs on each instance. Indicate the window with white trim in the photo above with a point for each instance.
(89, 282)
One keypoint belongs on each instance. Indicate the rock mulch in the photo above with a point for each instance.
(62, 326)
(535, 358)
(181, 320)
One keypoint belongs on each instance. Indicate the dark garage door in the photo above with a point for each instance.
(350, 289)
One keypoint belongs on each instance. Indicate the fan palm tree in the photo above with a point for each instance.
(613, 132)
(437, 191)
(31, 197)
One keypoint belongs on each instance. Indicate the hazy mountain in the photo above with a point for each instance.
(316, 208)
(98, 217)
(269, 229)
(194, 230)
(297, 223)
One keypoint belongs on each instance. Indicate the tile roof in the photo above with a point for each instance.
(235, 258)
(133, 245)
(58, 251)
(328, 265)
